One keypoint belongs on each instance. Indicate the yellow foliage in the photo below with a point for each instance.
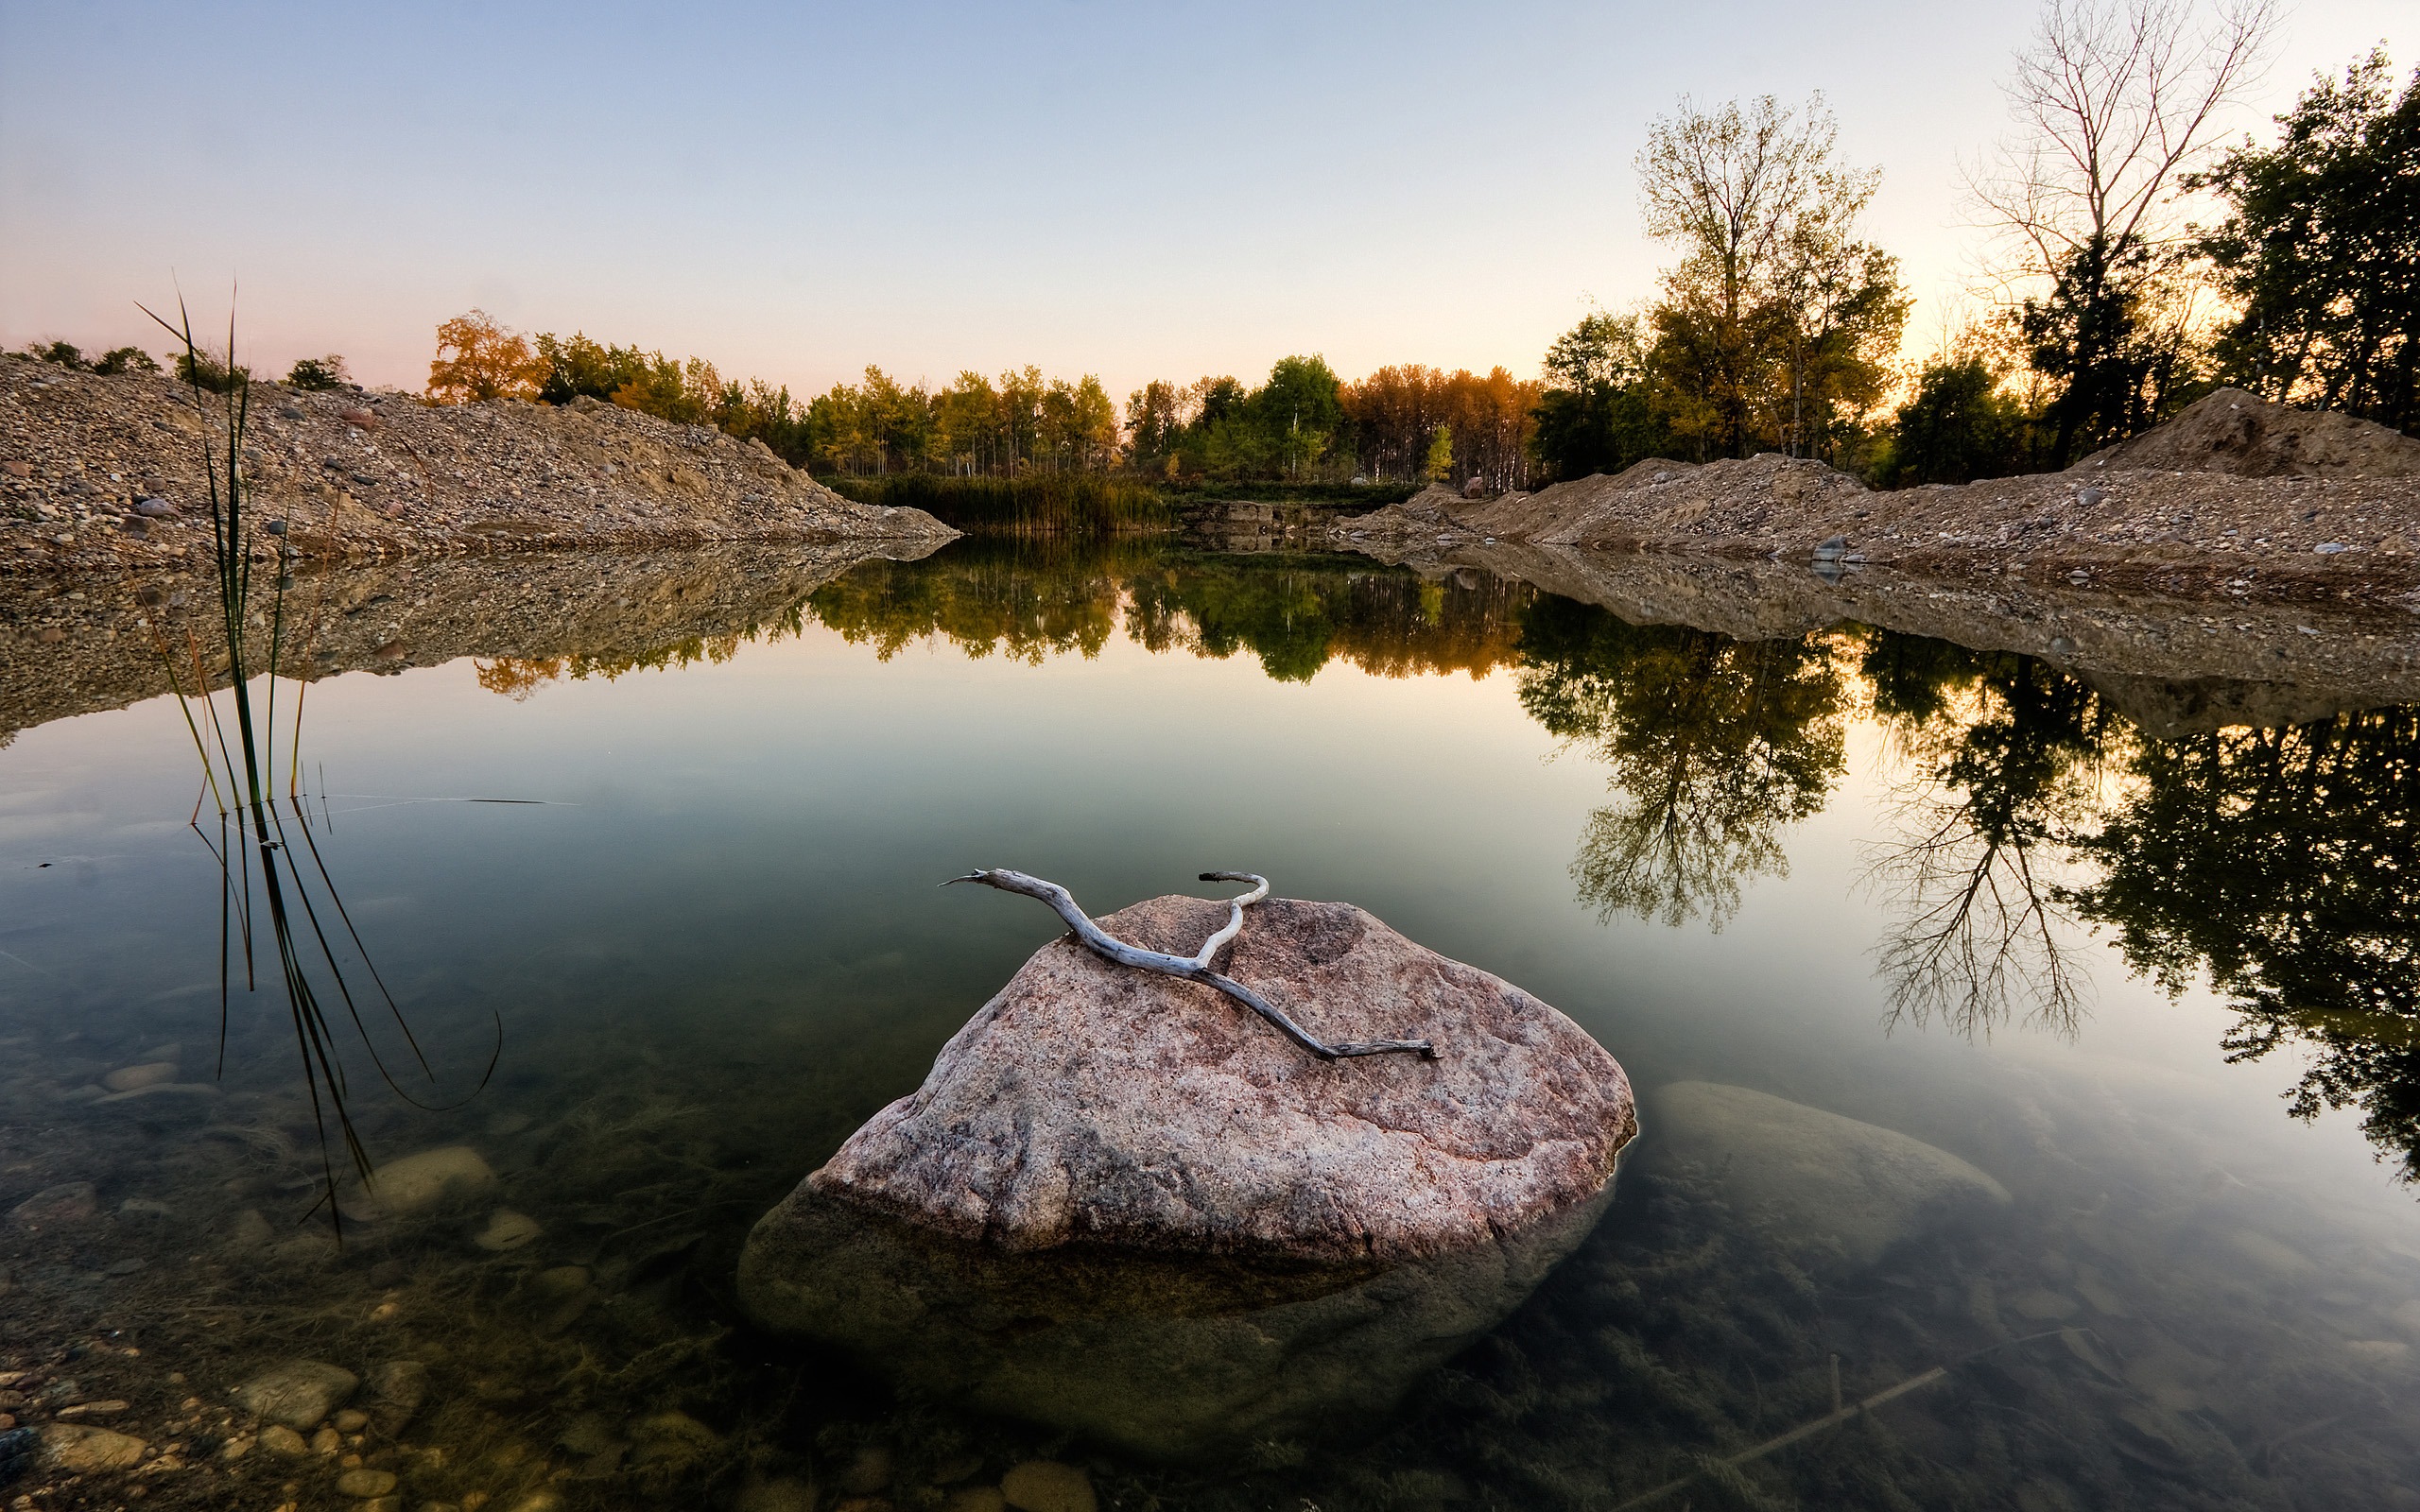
(487, 362)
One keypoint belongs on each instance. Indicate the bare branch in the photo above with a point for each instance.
(1194, 968)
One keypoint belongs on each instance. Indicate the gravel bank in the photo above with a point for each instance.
(105, 472)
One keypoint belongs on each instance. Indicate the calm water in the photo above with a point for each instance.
(1951, 894)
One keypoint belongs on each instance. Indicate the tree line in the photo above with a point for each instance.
(2133, 263)
(2132, 266)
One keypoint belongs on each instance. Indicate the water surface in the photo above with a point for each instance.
(1955, 894)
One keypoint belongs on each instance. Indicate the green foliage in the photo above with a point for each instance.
(1716, 746)
(125, 359)
(202, 370)
(1958, 426)
(2321, 249)
(58, 353)
(686, 393)
(2283, 865)
(1036, 503)
(317, 374)
(1598, 413)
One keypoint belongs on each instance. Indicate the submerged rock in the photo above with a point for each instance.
(298, 1394)
(81, 1451)
(419, 1182)
(1830, 1186)
(1122, 1204)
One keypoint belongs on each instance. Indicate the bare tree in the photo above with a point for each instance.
(2113, 101)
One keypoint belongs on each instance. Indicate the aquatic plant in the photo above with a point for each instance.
(261, 840)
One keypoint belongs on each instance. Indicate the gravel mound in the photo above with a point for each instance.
(100, 472)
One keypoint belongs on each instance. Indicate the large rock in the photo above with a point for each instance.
(1839, 1191)
(1123, 1204)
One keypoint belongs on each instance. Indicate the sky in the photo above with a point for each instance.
(797, 191)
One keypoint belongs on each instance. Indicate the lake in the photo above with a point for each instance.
(2149, 971)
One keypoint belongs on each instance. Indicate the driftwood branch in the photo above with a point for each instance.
(1194, 968)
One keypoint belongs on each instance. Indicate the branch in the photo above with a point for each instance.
(1195, 967)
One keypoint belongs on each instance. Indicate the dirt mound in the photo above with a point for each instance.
(105, 472)
(2241, 434)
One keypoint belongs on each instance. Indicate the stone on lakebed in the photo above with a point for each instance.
(1123, 1204)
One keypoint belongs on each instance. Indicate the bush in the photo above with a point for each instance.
(203, 370)
(318, 374)
(125, 359)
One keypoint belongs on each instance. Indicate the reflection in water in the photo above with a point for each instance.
(2006, 758)
(2283, 864)
(1295, 615)
(2166, 1313)
(1716, 745)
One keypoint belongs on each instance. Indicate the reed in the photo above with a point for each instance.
(264, 842)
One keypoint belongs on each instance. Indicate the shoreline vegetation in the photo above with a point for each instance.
(2129, 288)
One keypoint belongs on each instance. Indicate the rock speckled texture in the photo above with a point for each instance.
(1093, 1103)
(1124, 1206)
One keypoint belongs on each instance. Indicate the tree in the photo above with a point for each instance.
(1596, 412)
(2282, 865)
(487, 362)
(1776, 320)
(2113, 101)
(2321, 251)
(1715, 744)
(1957, 427)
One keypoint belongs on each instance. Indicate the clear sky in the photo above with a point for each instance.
(795, 190)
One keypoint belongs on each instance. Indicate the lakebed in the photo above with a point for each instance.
(1709, 817)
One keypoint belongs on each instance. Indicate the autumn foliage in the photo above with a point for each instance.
(478, 360)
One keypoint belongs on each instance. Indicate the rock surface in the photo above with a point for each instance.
(81, 1451)
(419, 1182)
(1124, 1205)
(1835, 1188)
(1093, 1103)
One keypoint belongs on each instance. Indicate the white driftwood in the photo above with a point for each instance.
(1195, 967)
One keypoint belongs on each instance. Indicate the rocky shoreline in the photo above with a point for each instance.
(84, 642)
(2236, 499)
(105, 473)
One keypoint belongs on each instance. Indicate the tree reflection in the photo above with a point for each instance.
(2007, 756)
(1294, 613)
(1716, 746)
(2282, 862)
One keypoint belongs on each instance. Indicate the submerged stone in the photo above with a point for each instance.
(1833, 1187)
(298, 1394)
(421, 1181)
(1123, 1204)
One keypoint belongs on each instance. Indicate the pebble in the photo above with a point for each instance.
(976, 1498)
(144, 1208)
(94, 1409)
(298, 1393)
(2331, 548)
(278, 1439)
(363, 1484)
(350, 1420)
(327, 1442)
(154, 508)
(1047, 1486)
(81, 1451)
(506, 1229)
